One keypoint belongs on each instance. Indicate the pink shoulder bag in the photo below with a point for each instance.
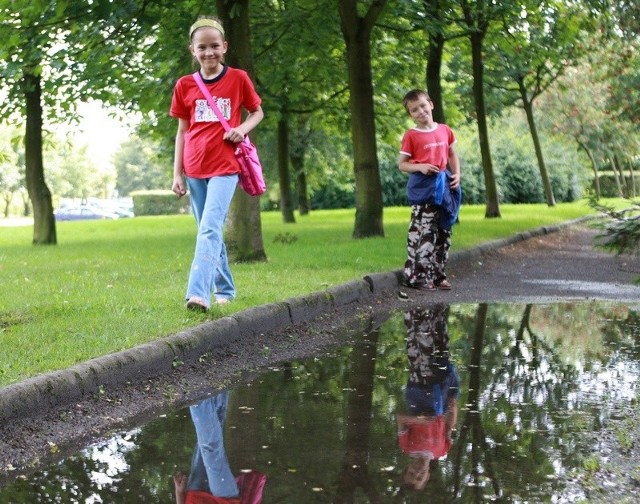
(251, 179)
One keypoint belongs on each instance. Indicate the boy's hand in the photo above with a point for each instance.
(455, 180)
(428, 169)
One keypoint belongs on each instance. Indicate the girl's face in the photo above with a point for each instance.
(420, 111)
(208, 47)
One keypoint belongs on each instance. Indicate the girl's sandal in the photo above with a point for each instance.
(196, 303)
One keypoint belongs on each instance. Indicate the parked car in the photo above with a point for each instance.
(83, 212)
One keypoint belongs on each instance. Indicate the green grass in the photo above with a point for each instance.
(111, 285)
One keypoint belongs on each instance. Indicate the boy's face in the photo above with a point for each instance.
(420, 111)
(417, 473)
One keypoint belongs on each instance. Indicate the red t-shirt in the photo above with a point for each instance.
(428, 146)
(206, 154)
(422, 437)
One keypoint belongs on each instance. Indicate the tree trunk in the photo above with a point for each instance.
(369, 203)
(299, 139)
(626, 184)
(434, 62)
(528, 108)
(301, 186)
(357, 35)
(286, 199)
(481, 454)
(491, 188)
(594, 167)
(7, 204)
(44, 224)
(244, 227)
(617, 174)
(26, 208)
(632, 180)
(354, 470)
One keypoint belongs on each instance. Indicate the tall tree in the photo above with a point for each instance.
(437, 20)
(355, 470)
(356, 29)
(301, 134)
(477, 16)
(52, 55)
(44, 227)
(535, 47)
(244, 230)
(295, 44)
(286, 196)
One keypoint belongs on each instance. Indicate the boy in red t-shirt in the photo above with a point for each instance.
(431, 394)
(433, 192)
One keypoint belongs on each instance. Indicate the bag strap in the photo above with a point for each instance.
(198, 78)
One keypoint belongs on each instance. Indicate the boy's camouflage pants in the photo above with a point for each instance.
(427, 247)
(427, 343)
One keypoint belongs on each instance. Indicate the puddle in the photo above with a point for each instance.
(498, 397)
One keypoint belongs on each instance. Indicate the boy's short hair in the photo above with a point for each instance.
(413, 95)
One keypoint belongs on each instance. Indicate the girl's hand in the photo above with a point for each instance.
(233, 135)
(180, 482)
(178, 186)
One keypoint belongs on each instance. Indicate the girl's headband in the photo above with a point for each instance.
(201, 23)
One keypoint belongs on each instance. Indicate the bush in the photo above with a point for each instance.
(159, 202)
(334, 195)
(608, 187)
(394, 184)
(516, 167)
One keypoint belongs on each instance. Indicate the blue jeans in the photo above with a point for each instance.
(210, 273)
(210, 471)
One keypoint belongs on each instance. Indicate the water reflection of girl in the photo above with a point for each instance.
(211, 480)
(424, 431)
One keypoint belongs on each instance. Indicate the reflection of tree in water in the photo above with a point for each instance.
(623, 331)
(526, 405)
(502, 431)
(354, 472)
(327, 423)
(132, 467)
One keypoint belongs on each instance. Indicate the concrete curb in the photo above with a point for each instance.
(66, 386)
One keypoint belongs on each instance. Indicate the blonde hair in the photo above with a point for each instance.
(206, 21)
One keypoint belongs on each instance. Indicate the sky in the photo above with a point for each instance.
(101, 134)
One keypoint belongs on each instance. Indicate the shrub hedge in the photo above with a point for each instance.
(159, 202)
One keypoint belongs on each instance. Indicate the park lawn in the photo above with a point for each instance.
(111, 285)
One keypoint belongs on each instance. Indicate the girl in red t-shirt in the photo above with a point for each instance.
(204, 156)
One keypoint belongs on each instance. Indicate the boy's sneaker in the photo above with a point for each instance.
(444, 285)
(424, 286)
(427, 286)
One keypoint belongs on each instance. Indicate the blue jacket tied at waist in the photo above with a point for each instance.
(435, 190)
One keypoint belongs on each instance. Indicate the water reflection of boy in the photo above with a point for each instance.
(210, 480)
(431, 394)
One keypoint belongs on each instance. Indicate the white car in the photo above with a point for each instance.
(83, 212)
